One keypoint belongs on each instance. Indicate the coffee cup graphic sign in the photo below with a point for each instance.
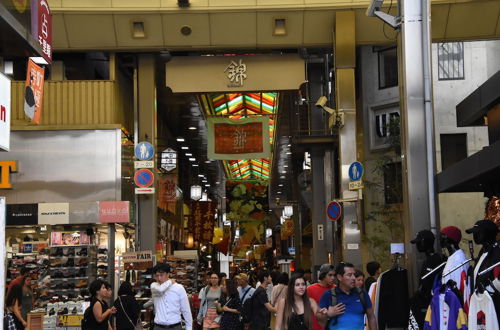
(33, 94)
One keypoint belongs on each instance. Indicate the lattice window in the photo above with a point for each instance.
(451, 61)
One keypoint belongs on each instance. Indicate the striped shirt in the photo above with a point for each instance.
(170, 302)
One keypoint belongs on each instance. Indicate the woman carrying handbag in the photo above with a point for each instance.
(127, 309)
(231, 317)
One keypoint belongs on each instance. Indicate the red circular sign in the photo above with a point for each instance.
(334, 211)
(144, 178)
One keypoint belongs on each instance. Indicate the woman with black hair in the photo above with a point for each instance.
(230, 319)
(99, 318)
(296, 309)
(13, 305)
(127, 308)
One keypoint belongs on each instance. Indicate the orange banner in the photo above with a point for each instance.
(34, 92)
(203, 221)
(167, 192)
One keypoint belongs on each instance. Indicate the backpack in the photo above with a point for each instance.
(362, 299)
(247, 308)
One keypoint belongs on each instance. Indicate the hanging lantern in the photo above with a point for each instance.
(288, 211)
(196, 192)
(190, 241)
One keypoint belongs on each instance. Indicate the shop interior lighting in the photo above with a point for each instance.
(196, 192)
(189, 154)
(192, 159)
(288, 210)
(282, 220)
(192, 128)
(285, 166)
(184, 148)
(204, 197)
(200, 175)
(195, 165)
(280, 185)
(237, 233)
(180, 139)
(207, 185)
(288, 153)
(269, 232)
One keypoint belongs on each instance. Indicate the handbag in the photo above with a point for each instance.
(138, 325)
(8, 322)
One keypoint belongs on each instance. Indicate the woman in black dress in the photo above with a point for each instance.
(230, 319)
(99, 318)
(127, 308)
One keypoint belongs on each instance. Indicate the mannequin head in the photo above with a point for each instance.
(449, 238)
(484, 232)
(424, 241)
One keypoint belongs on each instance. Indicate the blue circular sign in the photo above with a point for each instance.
(144, 151)
(356, 171)
(334, 211)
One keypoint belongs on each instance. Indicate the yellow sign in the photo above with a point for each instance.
(356, 185)
(20, 5)
(7, 167)
(69, 320)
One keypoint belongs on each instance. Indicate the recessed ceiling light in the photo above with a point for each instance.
(192, 128)
(208, 161)
(195, 165)
(289, 153)
(204, 181)
(189, 154)
(280, 185)
(207, 185)
(200, 175)
(184, 148)
(279, 192)
(192, 159)
(289, 145)
(282, 177)
(285, 166)
(217, 182)
(284, 172)
(180, 139)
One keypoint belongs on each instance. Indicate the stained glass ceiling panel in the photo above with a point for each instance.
(243, 105)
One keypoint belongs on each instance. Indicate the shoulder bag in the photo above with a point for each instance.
(138, 325)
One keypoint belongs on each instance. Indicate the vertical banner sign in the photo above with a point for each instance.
(167, 192)
(246, 201)
(33, 92)
(232, 139)
(203, 221)
(5, 101)
(41, 27)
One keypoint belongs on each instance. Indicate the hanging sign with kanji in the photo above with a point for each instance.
(203, 221)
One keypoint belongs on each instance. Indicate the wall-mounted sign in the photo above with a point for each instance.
(204, 74)
(113, 212)
(5, 104)
(144, 151)
(168, 159)
(53, 213)
(138, 260)
(33, 95)
(22, 214)
(84, 212)
(7, 167)
(42, 28)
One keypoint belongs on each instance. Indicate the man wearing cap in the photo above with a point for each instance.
(244, 289)
(315, 291)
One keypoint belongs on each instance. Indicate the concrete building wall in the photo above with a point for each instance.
(381, 224)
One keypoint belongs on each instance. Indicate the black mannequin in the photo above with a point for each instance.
(484, 233)
(446, 242)
(422, 297)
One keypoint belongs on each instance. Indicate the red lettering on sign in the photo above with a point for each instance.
(3, 113)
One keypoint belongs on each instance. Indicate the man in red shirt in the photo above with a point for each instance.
(24, 272)
(315, 291)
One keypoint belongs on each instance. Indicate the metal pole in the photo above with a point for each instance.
(417, 137)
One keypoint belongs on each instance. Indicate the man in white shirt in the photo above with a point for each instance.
(245, 290)
(170, 301)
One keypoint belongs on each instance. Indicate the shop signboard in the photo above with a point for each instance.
(7, 167)
(167, 192)
(33, 96)
(69, 321)
(114, 212)
(83, 212)
(203, 221)
(5, 104)
(232, 139)
(41, 27)
(22, 214)
(53, 213)
(137, 260)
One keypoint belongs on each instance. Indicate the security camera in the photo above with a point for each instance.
(320, 103)
(375, 5)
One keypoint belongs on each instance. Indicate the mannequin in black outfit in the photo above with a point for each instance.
(484, 233)
(446, 242)
(422, 297)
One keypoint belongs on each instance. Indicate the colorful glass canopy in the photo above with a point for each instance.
(243, 105)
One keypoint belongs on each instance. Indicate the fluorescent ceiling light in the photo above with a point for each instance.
(184, 148)
(180, 139)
